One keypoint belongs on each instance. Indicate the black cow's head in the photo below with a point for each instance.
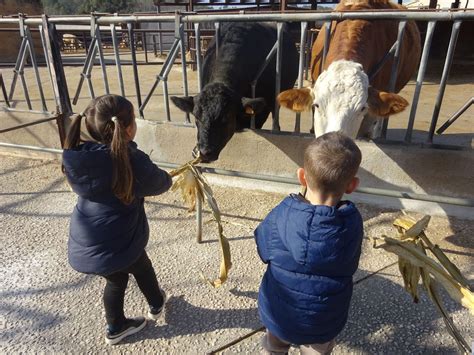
(219, 112)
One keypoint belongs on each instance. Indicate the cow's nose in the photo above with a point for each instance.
(205, 152)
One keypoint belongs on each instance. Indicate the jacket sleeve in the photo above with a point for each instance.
(263, 238)
(149, 179)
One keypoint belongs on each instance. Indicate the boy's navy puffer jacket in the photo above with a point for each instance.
(312, 253)
(106, 235)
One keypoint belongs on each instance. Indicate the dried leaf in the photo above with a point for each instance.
(193, 184)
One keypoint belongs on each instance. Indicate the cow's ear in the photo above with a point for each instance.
(185, 103)
(298, 100)
(253, 106)
(383, 103)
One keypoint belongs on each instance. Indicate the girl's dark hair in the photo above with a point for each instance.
(106, 119)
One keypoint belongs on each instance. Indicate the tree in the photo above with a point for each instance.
(110, 6)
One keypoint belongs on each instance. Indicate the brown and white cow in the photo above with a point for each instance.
(341, 94)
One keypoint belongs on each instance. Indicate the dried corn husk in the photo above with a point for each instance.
(414, 262)
(192, 183)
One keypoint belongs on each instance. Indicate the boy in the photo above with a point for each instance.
(312, 245)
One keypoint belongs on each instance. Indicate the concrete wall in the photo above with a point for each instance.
(394, 167)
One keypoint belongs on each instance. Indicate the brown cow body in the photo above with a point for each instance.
(365, 42)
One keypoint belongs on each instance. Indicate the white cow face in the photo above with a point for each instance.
(340, 99)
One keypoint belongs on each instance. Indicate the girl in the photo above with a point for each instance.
(109, 227)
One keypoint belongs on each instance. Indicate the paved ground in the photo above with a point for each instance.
(459, 89)
(47, 307)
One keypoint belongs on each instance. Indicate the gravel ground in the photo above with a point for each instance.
(46, 307)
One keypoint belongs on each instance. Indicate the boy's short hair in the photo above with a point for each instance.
(330, 162)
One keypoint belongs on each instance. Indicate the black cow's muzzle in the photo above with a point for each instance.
(205, 155)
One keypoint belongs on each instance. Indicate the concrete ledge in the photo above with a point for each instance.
(394, 167)
(386, 166)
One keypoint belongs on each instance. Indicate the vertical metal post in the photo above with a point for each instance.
(165, 69)
(327, 36)
(166, 99)
(86, 72)
(135, 68)
(217, 35)
(16, 70)
(304, 26)
(144, 46)
(393, 75)
(276, 114)
(46, 57)
(198, 218)
(183, 64)
(419, 79)
(444, 78)
(160, 33)
(34, 64)
(308, 56)
(155, 51)
(22, 78)
(198, 54)
(117, 58)
(100, 52)
(4, 91)
(60, 88)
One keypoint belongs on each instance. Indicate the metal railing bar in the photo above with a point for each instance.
(16, 70)
(419, 79)
(28, 124)
(279, 54)
(4, 91)
(34, 64)
(131, 28)
(184, 67)
(46, 57)
(444, 78)
(163, 73)
(198, 55)
(304, 26)
(117, 59)
(101, 59)
(327, 27)
(466, 202)
(455, 116)
(85, 74)
(217, 36)
(285, 17)
(394, 71)
(166, 101)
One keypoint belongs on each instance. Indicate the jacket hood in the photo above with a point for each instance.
(88, 168)
(318, 236)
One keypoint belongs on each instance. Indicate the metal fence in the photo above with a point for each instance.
(187, 25)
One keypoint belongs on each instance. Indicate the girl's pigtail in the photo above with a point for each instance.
(73, 137)
(122, 182)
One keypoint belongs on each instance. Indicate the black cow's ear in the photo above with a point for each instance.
(253, 106)
(185, 103)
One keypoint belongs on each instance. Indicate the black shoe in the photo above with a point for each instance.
(131, 326)
(155, 312)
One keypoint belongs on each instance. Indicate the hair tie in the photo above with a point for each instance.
(114, 119)
(82, 114)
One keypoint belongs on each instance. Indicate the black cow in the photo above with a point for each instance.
(224, 104)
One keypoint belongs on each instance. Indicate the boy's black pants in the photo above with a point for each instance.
(114, 291)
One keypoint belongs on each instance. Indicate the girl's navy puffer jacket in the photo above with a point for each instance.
(312, 253)
(106, 235)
